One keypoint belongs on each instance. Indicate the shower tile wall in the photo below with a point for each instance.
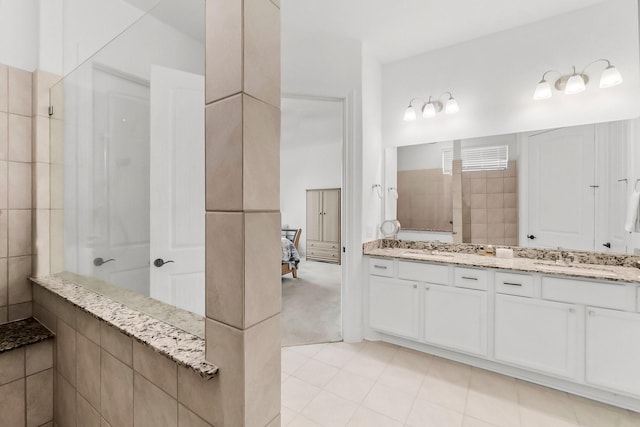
(490, 206)
(16, 247)
(424, 199)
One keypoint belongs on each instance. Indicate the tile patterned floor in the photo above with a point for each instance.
(374, 384)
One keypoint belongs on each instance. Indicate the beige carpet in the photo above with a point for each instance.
(311, 305)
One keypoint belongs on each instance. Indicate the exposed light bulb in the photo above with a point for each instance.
(409, 114)
(575, 84)
(610, 77)
(452, 106)
(543, 90)
(429, 110)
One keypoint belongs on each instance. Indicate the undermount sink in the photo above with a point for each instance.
(588, 268)
(428, 254)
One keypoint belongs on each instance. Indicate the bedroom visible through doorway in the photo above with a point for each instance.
(311, 202)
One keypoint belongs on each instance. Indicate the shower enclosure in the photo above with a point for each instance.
(127, 188)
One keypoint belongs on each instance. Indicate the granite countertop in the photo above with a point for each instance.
(181, 346)
(607, 269)
(21, 333)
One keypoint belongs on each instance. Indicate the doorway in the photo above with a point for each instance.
(312, 170)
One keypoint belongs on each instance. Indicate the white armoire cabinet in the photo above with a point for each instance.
(323, 225)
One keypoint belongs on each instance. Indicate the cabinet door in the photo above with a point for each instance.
(536, 334)
(456, 318)
(613, 350)
(331, 216)
(314, 215)
(393, 306)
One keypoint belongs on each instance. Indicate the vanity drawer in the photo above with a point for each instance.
(514, 284)
(420, 272)
(608, 295)
(381, 267)
(471, 278)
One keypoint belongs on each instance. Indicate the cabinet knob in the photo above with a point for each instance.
(426, 288)
(572, 310)
(592, 313)
(415, 286)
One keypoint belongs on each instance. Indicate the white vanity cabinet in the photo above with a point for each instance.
(455, 318)
(536, 334)
(613, 350)
(393, 306)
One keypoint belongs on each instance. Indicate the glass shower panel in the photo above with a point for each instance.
(127, 187)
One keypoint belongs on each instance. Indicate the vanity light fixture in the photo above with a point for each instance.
(431, 107)
(576, 82)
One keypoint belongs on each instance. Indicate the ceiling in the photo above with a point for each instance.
(397, 29)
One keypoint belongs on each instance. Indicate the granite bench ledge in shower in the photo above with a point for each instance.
(176, 344)
(21, 333)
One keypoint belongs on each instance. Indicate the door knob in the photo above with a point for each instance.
(99, 261)
(530, 236)
(607, 245)
(159, 262)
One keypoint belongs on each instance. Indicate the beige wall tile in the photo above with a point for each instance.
(41, 243)
(44, 316)
(88, 369)
(39, 398)
(511, 232)
(495, 174)
(65, 311)
(478, 231)
(56, 141)
(276, 2)
(225, 345)
(19, 192)
(11, 365)
(202, 396)
(4, 282)
(478, 186)
(116, 343)
(262, 50)
(478, 240)
(495, 185)
(116, 385)
(57, 241)
(4, 136)
(64, 400)
(39, 356)
(41, 190)
(19, 138)
(495, 216)
(511, 241)
(12, 403)
(511, 185)
(4, 185)
(87, 325)
(510, 200)
(42, 82)
(19, 270)
(478, 201)
(3, 314)
(19, 311)
(186, 418)
(40, 150)
(512, 168)
(276, 422)
(495, 200)
(19, 91)
(56, 192)
(495, 231)
(87, 415)
(225, 267)
(19, 228)
(66, 351)
(262, 372)
(156, 368)
(261, 154)
(4, 236)
(223, 152)
(152, 406)
(224, 49)
(511, 215)
(478, 216)
(4, 86)
(262, 266)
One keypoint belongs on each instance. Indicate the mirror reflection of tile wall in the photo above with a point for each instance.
(424, 200)
(490, 206)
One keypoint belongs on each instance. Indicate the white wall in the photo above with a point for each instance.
(51, 37)
(19, 33)
(493, 78)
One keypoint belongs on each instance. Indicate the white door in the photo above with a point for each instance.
(611, 195)
(536, 334)
(561, 193)
(393, 306)
(613, 350)
(456, 318)
(118, 182)
(177, 220)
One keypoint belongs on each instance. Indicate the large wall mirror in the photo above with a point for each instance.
(558, 188)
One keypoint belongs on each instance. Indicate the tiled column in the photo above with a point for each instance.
(242, 203)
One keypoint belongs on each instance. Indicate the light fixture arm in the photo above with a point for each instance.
(544, 75)
(419, 99)
(593, 62)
